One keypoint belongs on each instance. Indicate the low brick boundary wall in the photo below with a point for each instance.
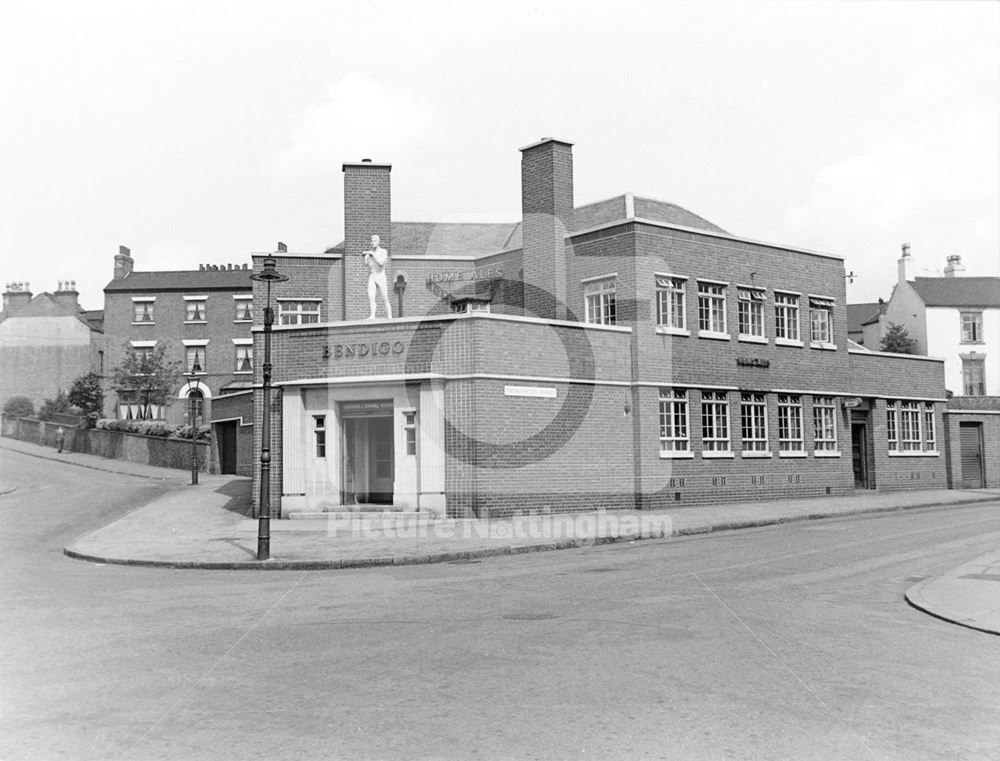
(113, 445)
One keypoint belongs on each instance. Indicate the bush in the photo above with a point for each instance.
(58, 406)
(152, 428)
(19, 406)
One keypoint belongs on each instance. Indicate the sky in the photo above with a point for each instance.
(199, 132)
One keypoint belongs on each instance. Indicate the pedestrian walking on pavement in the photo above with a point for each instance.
(60, 438)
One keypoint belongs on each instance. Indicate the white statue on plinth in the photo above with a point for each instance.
(377, 258)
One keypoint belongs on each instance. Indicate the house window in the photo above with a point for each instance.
(410, 431)
(674, 421)
(298, 312)
(244, 308)
(972, 327)
(974, 376)
(711, 308)
(909, 427)
(599, 301)
(670, 304)
(196, 406)
(750, 312)
(821, 320)
(194, 309)
(244, 358)
(753, 419)
(930, 432)
(195, 359)
(143, 351)
(786, 316)
(319, 434)
(824, 424)
(790, 424)
(714, 421)
(142, 311)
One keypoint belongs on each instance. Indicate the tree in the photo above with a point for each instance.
(87, 393)
(58, 406)
(19, 406)
(897, 339)
(145, 377)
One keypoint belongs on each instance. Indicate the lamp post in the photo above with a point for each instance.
(267, 275)
(193, 394)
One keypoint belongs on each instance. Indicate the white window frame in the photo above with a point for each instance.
(791, 437)
(319, 436)
(820, 321)
(193, 344)
(892, 426)
(929, 433)
(825, 441)
(671, 304)
(240, 346)
(753, 421)
(972, 326)
(787, 328)
(239, 304)
(712, 322)
(410, 432)
(973, 375)
(750, 313)
(189, 301)
(675, 431)
(148, 305)
(716, 438)
(911, 428)
(296, 316)
(600, 307)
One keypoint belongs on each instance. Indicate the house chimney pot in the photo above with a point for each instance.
(955, 267)
(905, 265)
(123, 263)
(17, 296)
(282, 248)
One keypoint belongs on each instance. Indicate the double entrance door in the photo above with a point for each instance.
(369, 457)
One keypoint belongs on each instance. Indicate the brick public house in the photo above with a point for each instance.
(621, 354)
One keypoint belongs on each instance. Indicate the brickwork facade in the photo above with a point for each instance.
(625, 361)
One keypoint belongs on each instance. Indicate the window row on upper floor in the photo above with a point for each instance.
(706, 301)
(196, 353)
(145, 312)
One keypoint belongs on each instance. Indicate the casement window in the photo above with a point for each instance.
(786, 316)
(972, 327)
(790, 424)
(670, 302)
(711, 308)
(142, 310)
(143, 350)
(410, 431)
(824, 424)
(195, 308)
(750, 312)
(930, 430)
(674, 436)
(599, 301)
(753, 422)
(195, 359)
(244, 355)
(714, 421)
(821, 320)
(910, 427)
(243, 306)
(304, 312)
(319, 434)
(974, 376)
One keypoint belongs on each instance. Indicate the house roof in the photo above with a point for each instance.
(46, 305)
(958, 291)
(182, 280)
(482, 239)
(859, 315)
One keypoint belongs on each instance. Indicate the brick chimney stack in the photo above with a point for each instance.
(367, 212)
(67, 295)
(905, 264)
(123, 263)
(547, 218)
(16, 296)
(955, 267)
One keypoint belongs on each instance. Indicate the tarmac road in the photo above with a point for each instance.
(789, 642)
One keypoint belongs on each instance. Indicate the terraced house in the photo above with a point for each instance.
(620, 354)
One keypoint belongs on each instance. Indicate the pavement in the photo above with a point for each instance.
(209, 526)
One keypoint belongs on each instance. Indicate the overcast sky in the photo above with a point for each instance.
(201, 131)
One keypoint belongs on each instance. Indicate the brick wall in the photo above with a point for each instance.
(367, 212)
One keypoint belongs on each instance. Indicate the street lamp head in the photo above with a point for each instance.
(269, 273)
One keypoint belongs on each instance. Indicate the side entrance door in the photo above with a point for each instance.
(970, 436)
(859, 454)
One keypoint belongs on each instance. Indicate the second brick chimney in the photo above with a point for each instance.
(67, 295)
(955, 267)
(123, 263)
(16, 296)
(547, 214)
(367, 212)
